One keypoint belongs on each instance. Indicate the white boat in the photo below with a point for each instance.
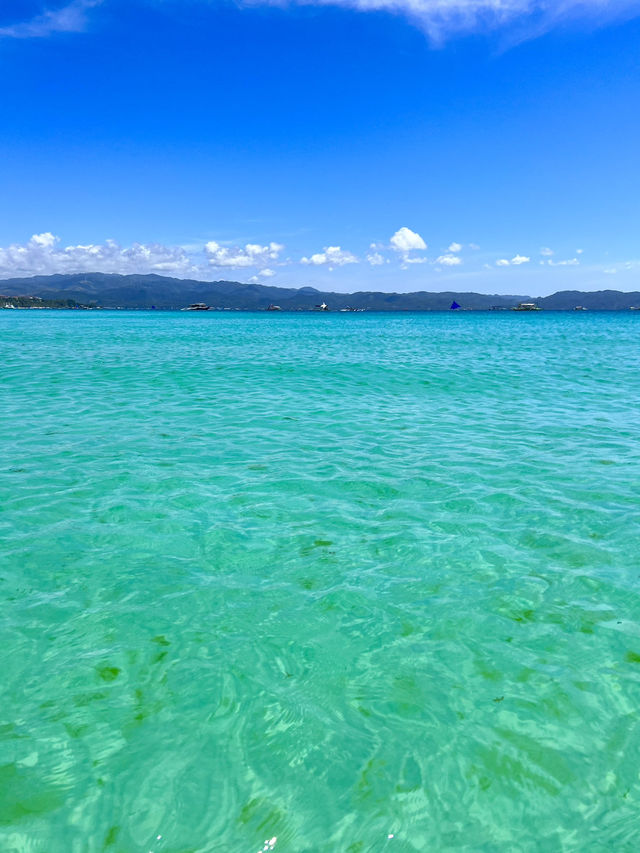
(196, 306)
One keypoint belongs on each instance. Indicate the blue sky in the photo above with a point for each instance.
(360, 144)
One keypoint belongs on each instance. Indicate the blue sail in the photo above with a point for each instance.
(454, 305)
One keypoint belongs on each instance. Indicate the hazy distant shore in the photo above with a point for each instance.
(104, 290)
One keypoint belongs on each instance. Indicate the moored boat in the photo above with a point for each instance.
(526, 306)
(196, 306)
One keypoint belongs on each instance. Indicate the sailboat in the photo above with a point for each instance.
(454, 306)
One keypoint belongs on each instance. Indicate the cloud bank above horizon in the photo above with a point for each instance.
(44, 255)
(439, 19)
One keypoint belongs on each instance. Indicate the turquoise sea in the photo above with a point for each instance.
(316, 583)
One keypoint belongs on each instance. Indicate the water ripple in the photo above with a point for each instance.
(319, 583)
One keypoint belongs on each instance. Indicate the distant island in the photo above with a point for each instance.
(144, 292)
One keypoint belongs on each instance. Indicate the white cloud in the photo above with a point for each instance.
(455, 247)
(406, 240)
(375, 259)
(474, 246)
(71, 18)
(573, 262)
(449, 260)
(332, 255)
(441, 19)
(579, 251)
(43, 256)
(44, 241)
(266, 273)
(235, 257)
(515, 261)
(546, 252)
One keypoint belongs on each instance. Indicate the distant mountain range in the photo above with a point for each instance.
(154, 291)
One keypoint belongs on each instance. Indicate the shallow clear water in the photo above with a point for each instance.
(323, 579)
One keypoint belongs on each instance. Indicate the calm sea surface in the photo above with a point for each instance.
(319, 583)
